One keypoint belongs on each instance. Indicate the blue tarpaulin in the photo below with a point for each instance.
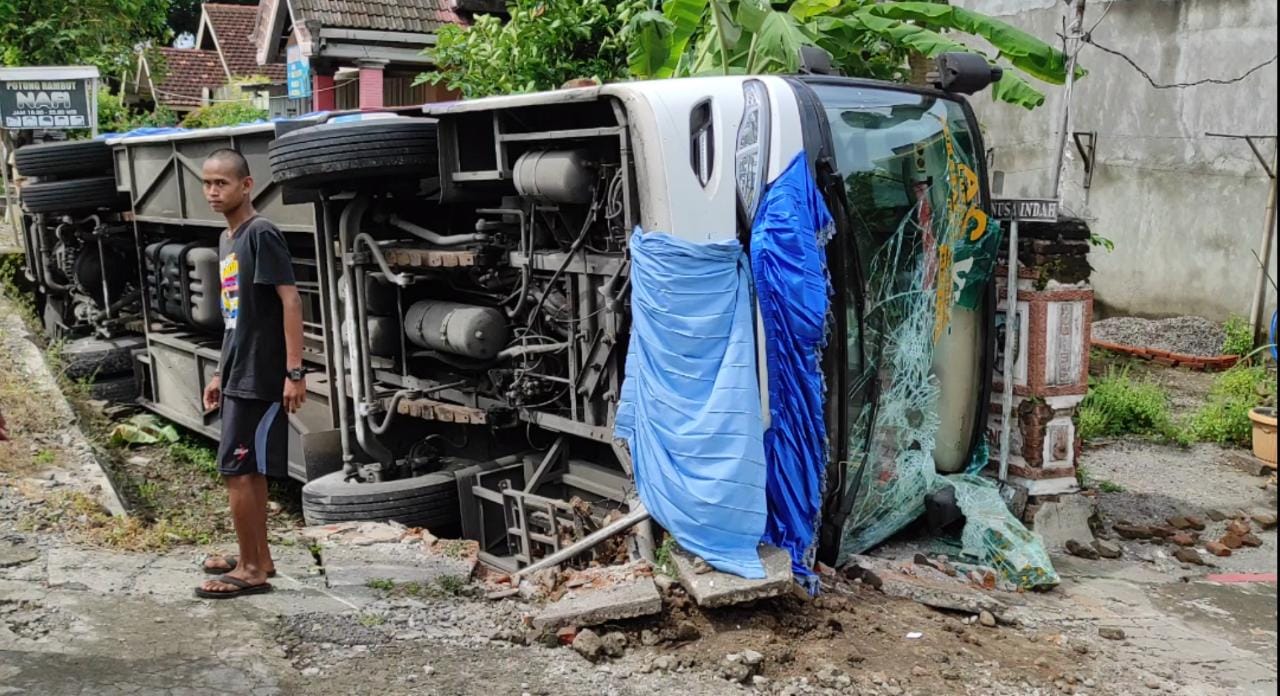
(794, 293)
(690, 403)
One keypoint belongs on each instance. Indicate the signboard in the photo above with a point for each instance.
(1025, 209)
(48, 97)
(298, 73)
(45, 104)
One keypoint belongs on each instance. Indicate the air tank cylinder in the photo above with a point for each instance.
(461, 329)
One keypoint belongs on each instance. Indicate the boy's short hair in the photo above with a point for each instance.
(239, 164)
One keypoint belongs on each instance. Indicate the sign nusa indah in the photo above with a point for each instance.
(1025, 209)
(48, 97)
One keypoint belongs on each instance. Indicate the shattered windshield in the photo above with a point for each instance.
(925, 252)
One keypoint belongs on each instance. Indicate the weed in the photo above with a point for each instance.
(194, 454)
(664, 557)
(45, 457)
(1238, 338)
(372, 620)
(451, 585)
(454, 548)
(1117, 405)
(1110, 487)
(149, 492)
(1224, 418)
(382, 584)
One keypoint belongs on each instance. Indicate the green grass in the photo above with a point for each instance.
(45, 457)
(1224, 418)
(189, 452)
(382, 584)
(1110, 487)
(451, 585)
(1119, 405)
(1239, 337)
(663, 557)
(372, 620)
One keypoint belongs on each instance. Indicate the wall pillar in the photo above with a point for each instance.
(323, 95)
(371, 83)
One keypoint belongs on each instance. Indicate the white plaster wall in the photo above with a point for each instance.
(1183, 210)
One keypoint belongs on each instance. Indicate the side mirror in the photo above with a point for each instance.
(816, 61)
(964, 73)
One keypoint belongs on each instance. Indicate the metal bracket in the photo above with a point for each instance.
(1087, 146)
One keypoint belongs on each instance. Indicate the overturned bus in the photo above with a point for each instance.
(473, 274)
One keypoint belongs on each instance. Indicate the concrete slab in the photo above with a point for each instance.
(13, 554)
(594, 606)
(1063, 520)
(932, 588)
(716, 589)
(356, 566)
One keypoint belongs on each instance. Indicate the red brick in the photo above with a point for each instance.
(1217, 549)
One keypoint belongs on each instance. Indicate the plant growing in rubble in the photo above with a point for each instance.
(1118, 405)
(1238, 336)
(1224, 419)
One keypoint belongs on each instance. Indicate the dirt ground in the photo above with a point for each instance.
(85, 611)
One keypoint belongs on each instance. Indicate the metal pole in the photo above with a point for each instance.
(93, 107)
(1010, 337)
(636, 516)
(1073, 50)
(4, 176)
(1259, 306)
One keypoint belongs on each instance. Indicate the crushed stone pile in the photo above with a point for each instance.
(1188, 335)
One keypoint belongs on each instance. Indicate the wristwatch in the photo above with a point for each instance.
(296, 374)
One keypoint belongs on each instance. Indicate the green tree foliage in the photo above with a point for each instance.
(866, 38)
(79, 32)
(544, 44)
(116, 117)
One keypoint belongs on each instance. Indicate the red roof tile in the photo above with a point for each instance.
(420, 16)
(233, 28)
(182, 73)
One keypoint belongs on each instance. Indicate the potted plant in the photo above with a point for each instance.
(1264, 429)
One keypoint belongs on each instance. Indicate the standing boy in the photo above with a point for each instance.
(260, 375)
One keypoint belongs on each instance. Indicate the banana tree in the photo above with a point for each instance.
(864, 37)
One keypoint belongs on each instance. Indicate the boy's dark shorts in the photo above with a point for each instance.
(255, 438)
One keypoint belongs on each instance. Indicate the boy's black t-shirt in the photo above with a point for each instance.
(251, 264)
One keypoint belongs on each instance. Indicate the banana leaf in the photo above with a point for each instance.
(1024, 51)
(143, 429)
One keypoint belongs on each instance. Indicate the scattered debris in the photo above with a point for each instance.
(1133, 532)
(1061, 521)
(987, 619)
(1217, 549)
(1107, 549)
(1111, 633)
(1185, 538)
(1251, 540)
(1076, 548)
(1190, 556)
(1265, 520)
(588, 644)
(929, 586)
(1238, 527)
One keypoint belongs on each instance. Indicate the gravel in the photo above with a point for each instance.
(1188, 335)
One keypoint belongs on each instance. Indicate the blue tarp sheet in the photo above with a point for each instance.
(690, 403)
(794, 293)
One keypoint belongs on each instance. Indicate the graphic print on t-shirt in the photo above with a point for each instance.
(230, 272)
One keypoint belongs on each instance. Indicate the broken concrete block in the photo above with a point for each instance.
(1132, 531)
(1064, 519)
(1265, 520)
(1076, 548)
(1107, 549)
(593, 606)
(1190, 556)
(933, 588)
(716, 589)
(356, 566)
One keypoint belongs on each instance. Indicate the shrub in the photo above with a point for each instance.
(1118, 405)
(1238, 339)
(227, 113)
(114, 116)
(1224, 419)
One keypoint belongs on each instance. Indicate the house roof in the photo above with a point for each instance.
(416, 16)
(233, 28)
(184, 75)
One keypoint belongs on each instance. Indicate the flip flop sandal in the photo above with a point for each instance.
(244, 589)
(232, 562)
